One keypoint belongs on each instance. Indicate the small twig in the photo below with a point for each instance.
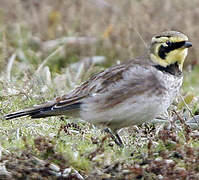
(189, 110)
(17, 94)
(139, 35)
(179, 117)
(186, 127)
(10, 65)
(47, 59)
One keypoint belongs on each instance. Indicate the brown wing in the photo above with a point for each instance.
(72, 101)
(134, 81)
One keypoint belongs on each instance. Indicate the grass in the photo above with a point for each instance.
(61, 147)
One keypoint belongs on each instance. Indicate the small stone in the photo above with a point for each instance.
(168, 161)
(57, 174)
(54, 167)
(79, 176)
(67, 171)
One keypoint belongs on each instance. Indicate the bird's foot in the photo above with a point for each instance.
(116, 138)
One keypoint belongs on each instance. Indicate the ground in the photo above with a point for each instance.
(45, 51)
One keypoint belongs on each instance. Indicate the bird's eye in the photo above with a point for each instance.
(168, 43)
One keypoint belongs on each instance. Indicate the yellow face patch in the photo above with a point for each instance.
(178, 55)
(164, 55)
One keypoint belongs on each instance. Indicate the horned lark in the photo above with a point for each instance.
(128, 94)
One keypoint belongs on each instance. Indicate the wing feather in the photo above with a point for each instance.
(112, 81)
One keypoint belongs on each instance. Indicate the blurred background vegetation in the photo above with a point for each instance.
(120, 28)
(117, 30)
(48, 47)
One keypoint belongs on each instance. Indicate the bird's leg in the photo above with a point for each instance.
(119, 139)
(116, 138)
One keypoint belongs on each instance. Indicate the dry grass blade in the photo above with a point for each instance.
(189, 109)
(67, 40)
(9, 66)
(47, 59)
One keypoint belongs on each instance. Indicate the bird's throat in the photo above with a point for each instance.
(173, 69)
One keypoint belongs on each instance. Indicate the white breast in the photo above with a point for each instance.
(134, 111)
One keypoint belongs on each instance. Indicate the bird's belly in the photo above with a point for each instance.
(132, 111)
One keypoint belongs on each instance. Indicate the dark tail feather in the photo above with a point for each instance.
(29, 112)
(20, 114)
(43, 111)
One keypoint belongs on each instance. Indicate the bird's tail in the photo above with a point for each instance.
(45, 110)
(51, 108)
(35, 112)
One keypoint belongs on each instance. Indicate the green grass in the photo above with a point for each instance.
(31, 148)
(70, 143)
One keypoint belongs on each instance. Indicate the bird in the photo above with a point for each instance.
(131, 93)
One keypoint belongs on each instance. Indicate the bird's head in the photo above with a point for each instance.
(169, 48)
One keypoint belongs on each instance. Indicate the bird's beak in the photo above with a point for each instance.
(187, 44)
